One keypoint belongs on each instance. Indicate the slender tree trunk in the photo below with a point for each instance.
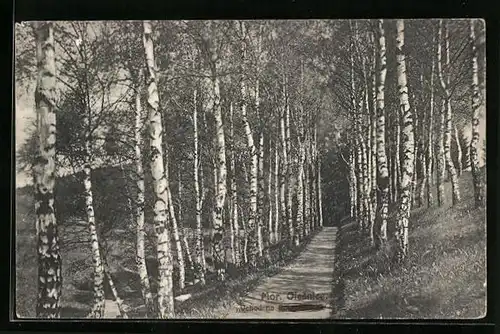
(49, 257)
(440, 156)
(260, 194)
(448, 113)
(246, 230)
(165, 288)
(476, 109)
(300, 195)
(440, 139)
(300, 223)
(382, 171)
(320, 196)
(420, 155)
(430, 139)
(369, 166)
(356, 105)
(97, 310)
(276, 194)
(373, 143)
(252, 220)
(397, 156)
(365, 181)
(314, 175)
(466, 144)
(270, 231)
(200, 249)
(218, 224)
(353, 192)
(459, 151)
(307, 188)
(114, 291)
(184, 240)
(139, 214)
(177, 240)
(407, 144)
(235, 242)
(284, 164)
(291, 228)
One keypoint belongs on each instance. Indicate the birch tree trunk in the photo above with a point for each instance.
(234, 194)
(165, 288)
(440, 161)
(373, 140)
(114, 291)
(185, 243)
(459, 151)
(200, 249)
(49, 257)
(218, 224)
(97, 310)
(276, 195)
(307, 187)
(246, 230)
(270, 232)
(408, 142)
(397, 155)
(430, 139)
(382, 168)
(177, 240)
(260, 194)
(291, 228)
(320, 196)
(139, 214)
(300, 194)
(421, 157)
(476, 109)
(301, 228)
(354, 188)
(466, 142)
(252, 220)
(448, 114)
(284, 165)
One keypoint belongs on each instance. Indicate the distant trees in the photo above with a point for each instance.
(411, 137)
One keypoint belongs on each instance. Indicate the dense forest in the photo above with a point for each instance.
(192, 153)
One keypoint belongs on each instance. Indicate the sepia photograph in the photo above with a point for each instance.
(250, 169)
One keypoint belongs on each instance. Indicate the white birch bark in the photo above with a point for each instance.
(162, 229)
(139, 214)
(476, 112)
(49, 258)
(382, 167)
(408, 142)
(445, 83)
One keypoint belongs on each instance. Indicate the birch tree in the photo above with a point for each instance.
(383, 171)
(404, 204)
(476, 107)
(445, 87)
(211, 42)
(162, 228)
(49, 257)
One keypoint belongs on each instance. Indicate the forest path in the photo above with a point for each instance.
(301, 290)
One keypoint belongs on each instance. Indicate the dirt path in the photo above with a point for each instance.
(301, 291)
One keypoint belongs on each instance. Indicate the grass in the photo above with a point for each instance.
(444, 276)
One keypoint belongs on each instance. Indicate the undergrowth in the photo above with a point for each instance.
(444, 276)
